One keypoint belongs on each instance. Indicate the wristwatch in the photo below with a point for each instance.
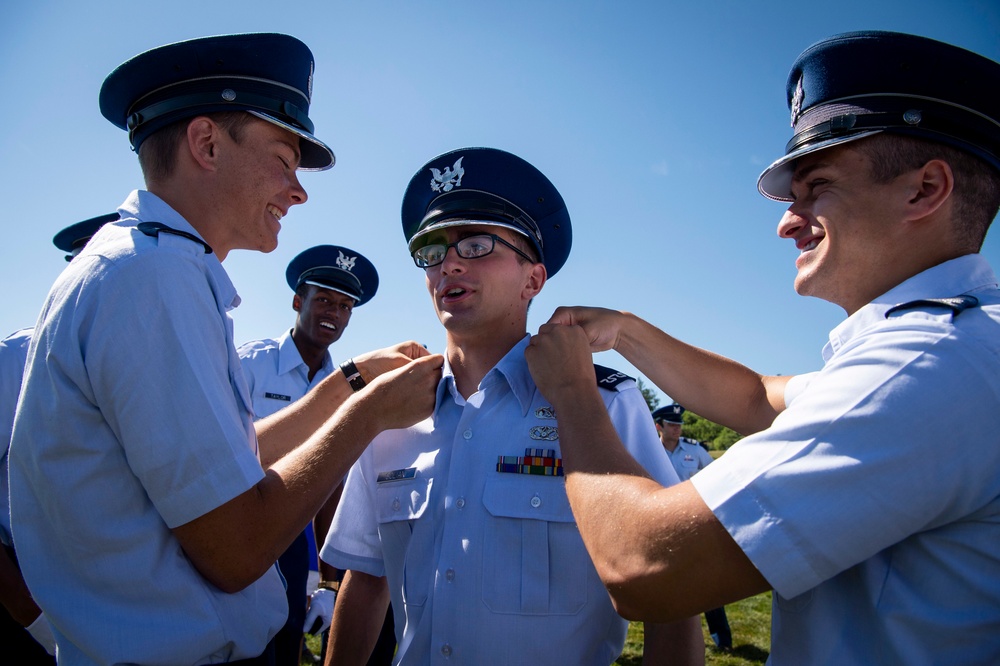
(352, 375)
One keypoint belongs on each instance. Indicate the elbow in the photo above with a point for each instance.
(642, 591)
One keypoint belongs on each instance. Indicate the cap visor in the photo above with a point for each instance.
(316, 155)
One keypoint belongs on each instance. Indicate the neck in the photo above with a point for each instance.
(471, 358)
(312, 355)
(186, 198)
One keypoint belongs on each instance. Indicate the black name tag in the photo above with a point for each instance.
(278, 396)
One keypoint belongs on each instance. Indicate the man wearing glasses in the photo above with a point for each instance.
(462, 520)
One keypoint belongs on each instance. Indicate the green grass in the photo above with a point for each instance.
(750, 621)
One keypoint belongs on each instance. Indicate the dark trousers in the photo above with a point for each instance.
(15, 639)
(294, 566)
(718, 627)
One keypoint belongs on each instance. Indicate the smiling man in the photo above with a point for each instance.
(147, 527)
(879, 541)
(462, 520)
(329, 282)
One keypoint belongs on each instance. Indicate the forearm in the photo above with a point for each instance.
(357, 619)
(710, 385)
(679, 643)
(234, 545)
(281, 432)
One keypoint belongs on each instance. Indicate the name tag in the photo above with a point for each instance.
(278, 396)
(396, 475)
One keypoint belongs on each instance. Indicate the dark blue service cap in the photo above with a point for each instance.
(488, 186)
(333, 267)
(73, 238)
(671, 414)
(269, 75)
(857, 84)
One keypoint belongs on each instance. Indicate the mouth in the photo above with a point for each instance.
(328, 326)
(275, 212)
(452, 294)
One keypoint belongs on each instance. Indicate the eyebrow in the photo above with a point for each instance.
(803, 172)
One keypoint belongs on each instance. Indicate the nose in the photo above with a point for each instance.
(790, 223)
(297, 193)
(451, 260)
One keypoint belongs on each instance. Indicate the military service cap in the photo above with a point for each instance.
(267, 74)
(857, 84)
(671, 414)
(493, 187)
(73, 238)
(333, 267)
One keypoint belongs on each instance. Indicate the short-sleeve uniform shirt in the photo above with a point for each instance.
(134, 419)
(484, 560)
(872, 503)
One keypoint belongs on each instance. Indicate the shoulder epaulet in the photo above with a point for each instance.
(957, 304)
(609, 378)
(154, 229)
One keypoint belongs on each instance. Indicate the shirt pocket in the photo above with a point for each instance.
(406, 554)
(534, 560)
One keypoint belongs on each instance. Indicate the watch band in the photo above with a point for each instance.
(352, 375)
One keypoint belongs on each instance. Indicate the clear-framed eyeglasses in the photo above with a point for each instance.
(470, 247)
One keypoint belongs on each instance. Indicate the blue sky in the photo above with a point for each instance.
(653, 119)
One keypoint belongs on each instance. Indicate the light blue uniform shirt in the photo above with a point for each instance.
(276, 374)
(13, 353)
(135, 419)
(485, 567)
(688, 458)
(882, 549)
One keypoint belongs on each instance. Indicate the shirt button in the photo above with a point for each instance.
(467, 434)
(446, 650)
(449, 575)
(460, 502)
(536, 502)
(395, 504)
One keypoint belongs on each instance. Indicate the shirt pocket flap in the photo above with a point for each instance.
(528, 496)
(402, 500)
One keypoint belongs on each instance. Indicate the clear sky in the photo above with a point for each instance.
(653, 119)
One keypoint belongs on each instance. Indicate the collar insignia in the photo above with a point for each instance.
(449, 179)
(797, 102)
(345, 263)
(545, 413)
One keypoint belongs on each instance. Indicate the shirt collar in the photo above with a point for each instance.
(144, 206)
(512, 369)
(966, 274)
(289, 357)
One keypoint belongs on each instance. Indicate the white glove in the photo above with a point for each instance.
(320, 611)
(41, 631)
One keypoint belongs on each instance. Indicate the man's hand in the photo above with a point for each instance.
(405, 395)
(559, 358)
(602, 326)
(374, 363)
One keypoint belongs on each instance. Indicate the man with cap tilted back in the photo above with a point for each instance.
(150, 530)
(462, 520)
(880, 547)
(329, 282)
(24, 630)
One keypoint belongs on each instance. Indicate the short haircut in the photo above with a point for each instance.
(521, 242)
(158, 153)
(977, 184)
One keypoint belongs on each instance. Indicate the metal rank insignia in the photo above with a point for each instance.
(542, 462)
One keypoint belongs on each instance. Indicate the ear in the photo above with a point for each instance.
(536, 280)
(202, 142)
(297, 303)
(929, 188)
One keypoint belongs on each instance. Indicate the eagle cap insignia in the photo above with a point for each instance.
(797, 101)
(344, 262)
(449, 179)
